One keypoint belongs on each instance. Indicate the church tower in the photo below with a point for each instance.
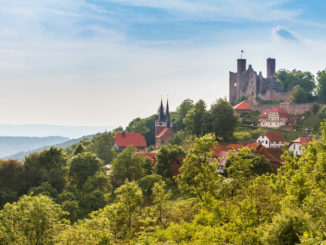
(163, 125)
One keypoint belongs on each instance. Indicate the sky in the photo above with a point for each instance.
(91, 62)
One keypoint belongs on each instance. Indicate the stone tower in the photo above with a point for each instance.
(270, 67)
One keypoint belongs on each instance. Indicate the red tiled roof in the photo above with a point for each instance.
(254, 145)
(292, 119)
(234, 146)
(274, 136)
(272, 154)
(162, 132)
(301, 140)
(281, 112)
(134, 139)
(244, 105)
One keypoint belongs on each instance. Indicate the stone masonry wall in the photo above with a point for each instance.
(291, 109)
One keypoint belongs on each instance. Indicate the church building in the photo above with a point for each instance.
(163, 126)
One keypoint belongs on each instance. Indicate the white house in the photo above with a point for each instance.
(271, 140)
(273, 118)
(296, 145)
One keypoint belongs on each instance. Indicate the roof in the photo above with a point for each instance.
(253, 145)
(127, 139)
(152, 156)
(274, 136)
(301, 140)
(281, 112)
(162, 132)
(292, 119)
(244, 105)
(272, 154)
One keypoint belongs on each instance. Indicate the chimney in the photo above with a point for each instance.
(241, 66)
(123, 134)
(270, 67)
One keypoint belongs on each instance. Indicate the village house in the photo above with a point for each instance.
(296, 145)
(242, 107)
(271, 140)
(273, 118)
(124, 139)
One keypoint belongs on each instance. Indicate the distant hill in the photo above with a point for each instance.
(44, 130)
(10, 145)
(20, 156)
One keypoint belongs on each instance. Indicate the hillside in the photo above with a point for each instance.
(11, 145)
(22, 154)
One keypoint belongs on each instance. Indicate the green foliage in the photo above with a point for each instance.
(47, 166)
(128, 165)
(12, 183)
(247, 164)
(102, 146)
(145, 127)
(198, 175)
(223, 120)
(83, 166)
(196, 120)
(181, 113)
(80, 148)
(32, 220)
(166, 155)
(321, 87)
(286, 228)
(147, 183)
(298, 95)
(290, 79)
(315, 107)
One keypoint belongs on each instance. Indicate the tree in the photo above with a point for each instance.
(83, 166)
(147, 182)
(12, 181)
(198, 174)
(32, 220)
(315, 107)
(160, 201)
(247, 164)
(298, 95)
(102, 146)
(47, 166)
(223, 119)
(79, 149)
(128, 165)
(130, 198)
(181, 113)
(286, 228)
(290, 79)
(166, 155)
(321, 86)
(196, 120)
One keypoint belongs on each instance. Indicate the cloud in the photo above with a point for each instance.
(284, 33)
(254, 10)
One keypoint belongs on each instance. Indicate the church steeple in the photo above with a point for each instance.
(167, 114)
(161, 116)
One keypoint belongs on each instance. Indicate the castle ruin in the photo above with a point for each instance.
(246, 84)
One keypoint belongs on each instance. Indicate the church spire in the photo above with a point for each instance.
(167, 114)
(161, 116)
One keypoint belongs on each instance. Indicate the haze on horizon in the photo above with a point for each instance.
(106, 62)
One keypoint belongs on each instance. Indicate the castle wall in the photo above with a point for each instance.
(275, 96)
(291, 109)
